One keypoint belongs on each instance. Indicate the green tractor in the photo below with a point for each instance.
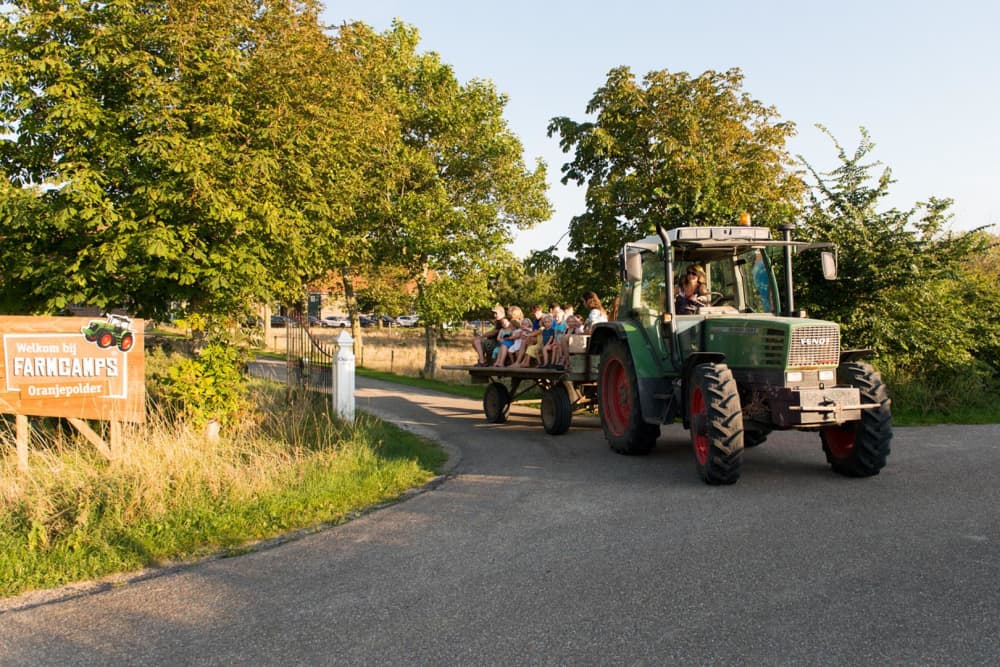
(115, 331)
(738, 365)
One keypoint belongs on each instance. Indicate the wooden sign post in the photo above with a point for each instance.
(72, 367)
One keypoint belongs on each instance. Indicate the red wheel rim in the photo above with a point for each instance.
(840, 441)
(104, 340)
(126, 343)
(699, 413)
(616, 401)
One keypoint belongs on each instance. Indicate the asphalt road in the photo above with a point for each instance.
(555, 550)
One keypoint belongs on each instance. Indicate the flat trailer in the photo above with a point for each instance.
(563, 391)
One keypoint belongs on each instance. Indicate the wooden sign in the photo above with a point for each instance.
(84, 368)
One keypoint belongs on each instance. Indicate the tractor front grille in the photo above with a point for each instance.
(774, 347)
(817, 345)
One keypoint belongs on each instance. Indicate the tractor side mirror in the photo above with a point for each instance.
(829, 262)
(633, 267)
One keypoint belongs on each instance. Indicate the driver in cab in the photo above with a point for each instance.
(692, 293)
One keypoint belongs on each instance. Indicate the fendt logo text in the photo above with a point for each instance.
(815, 341)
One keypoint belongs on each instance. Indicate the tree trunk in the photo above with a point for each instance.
(430, 356)
(352, 310)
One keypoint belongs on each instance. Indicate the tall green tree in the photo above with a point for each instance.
(903, 288)
(453, 184)
(673, 149)
(193, 150)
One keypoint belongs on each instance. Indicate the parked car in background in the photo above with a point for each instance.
(407, 320)
(366, 320)
(336, 321)
(277, 321)
(315, 321)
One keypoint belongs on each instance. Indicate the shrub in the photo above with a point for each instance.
(210, 385)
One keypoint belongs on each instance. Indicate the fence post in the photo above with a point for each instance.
(343, 377)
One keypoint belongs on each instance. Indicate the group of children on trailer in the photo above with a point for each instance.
(542, 341)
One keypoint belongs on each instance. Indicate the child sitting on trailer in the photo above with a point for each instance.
(574, 326)
(544, 344)
(511, 345)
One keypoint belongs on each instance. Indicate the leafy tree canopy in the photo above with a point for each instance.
(904, 287)
(195, 151)
(451, 183)
(675, 150)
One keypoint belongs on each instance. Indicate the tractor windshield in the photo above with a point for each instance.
(758, 285)
(740, 279)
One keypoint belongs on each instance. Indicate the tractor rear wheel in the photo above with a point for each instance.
(496, 403)
(860, 449)
(621, 413)
(126, 343)
(716, 423)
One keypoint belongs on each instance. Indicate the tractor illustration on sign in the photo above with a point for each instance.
(115, 331)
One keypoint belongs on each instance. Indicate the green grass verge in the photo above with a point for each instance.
(971, 397)
(75, 517)
(466, 390)
(908, 415)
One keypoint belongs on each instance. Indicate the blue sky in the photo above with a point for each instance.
(922, 77)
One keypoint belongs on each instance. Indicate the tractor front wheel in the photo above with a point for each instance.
(105, 339)
(621, 414)
(716, 423)
(860, 449)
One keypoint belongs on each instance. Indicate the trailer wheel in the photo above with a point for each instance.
(621, 414)
(716, 423)
(496, 403)
(557, 410)
(860, 449)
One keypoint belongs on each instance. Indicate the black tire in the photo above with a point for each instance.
(496, 403)
(105, 339)
(860, 449)
(716, 423)
(126, 343)
(557, 410)
(618, 398)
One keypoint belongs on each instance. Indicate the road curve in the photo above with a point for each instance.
(554, 550)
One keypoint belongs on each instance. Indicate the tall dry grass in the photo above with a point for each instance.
(170, 493)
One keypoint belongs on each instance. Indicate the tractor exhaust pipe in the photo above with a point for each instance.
(786, 231)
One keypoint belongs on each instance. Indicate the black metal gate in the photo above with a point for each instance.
(310, 360)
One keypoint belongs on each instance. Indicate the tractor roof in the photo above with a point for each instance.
(720, 238)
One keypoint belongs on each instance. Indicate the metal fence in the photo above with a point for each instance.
(317, 365)
(309, 359)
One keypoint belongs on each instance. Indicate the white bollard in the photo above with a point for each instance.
(343, 378)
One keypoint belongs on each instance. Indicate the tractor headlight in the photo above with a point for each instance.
(827, 375)
(793, 376)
